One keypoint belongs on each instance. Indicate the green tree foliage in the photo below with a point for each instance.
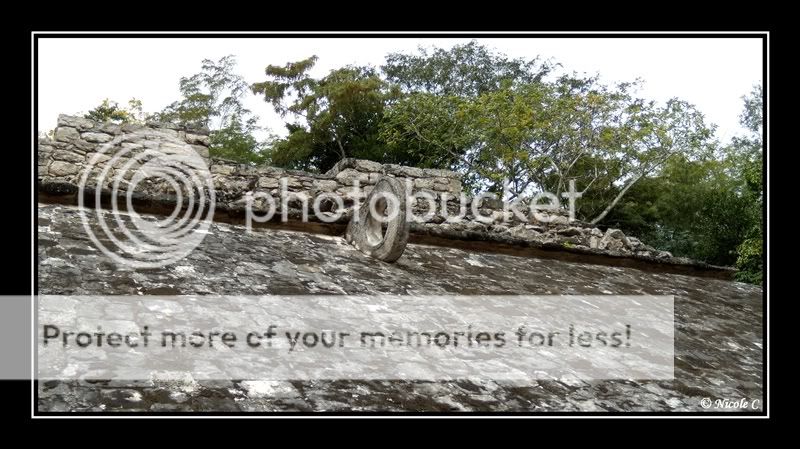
(213, 98)
(747, 152)
(541, 135)
(343, 114)
(435, 122)
(467, 70)
(692, 209)
(334, 117)
(707, 208)
(750, 261)
(110, 111)
(433, 130)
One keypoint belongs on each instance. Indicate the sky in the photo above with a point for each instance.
(76, 74)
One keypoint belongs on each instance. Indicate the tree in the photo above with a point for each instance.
(708, 207)
(748, 152)
(110, 111)
(467, 70)
(213, 98)
(543, 134)
(344, 113)
(433, 122)
(335, 117)
(692, 208)
(433, 130)
(540, 136)
(660, 133)
(495, 118)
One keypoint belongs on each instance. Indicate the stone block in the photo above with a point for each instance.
(96, 137)
(61, 168)
(66, 134)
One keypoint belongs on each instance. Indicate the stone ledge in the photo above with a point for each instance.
(486, 241)
(365, 166)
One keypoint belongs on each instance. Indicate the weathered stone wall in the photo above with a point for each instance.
(62, 161)
(233, 181)
(718, 324)
(76, 141)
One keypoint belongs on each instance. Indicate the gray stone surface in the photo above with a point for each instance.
(718, 323)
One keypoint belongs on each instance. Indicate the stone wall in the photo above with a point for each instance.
(233, 181)
(63, 160)
(76, 140)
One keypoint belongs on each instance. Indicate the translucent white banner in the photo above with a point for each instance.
(355, 337)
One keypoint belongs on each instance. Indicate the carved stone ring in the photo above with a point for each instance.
(379, 228)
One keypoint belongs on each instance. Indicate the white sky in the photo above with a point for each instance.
(75, 75)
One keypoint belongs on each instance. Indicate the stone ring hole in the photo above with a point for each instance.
(375, 220)
(379, 228)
